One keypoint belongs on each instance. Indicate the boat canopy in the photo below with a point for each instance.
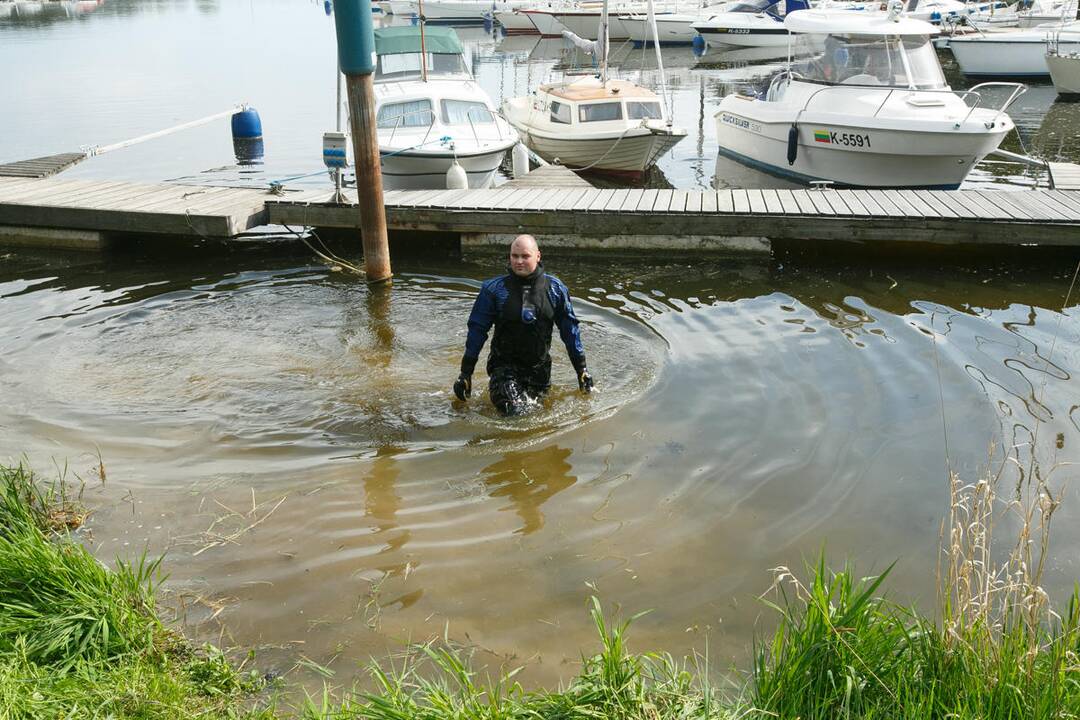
(400, 58)
(406, 39)
(820, 22)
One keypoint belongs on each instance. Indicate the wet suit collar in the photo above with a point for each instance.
(530, 278)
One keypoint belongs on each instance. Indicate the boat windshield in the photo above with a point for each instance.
(407, 66)
(463, 112)
(411, 113)
(907, 61)
(753, 6)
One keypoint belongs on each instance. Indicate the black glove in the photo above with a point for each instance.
(463, 387)
(585, 381)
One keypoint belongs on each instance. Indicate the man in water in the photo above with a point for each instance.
(524, 305)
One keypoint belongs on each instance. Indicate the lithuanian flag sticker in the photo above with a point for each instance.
(821, 136)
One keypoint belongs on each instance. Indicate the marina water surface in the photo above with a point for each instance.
(286, 434)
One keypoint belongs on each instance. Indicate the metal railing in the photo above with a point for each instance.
(1018, 88)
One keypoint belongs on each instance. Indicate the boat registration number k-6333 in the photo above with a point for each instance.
(832, 137)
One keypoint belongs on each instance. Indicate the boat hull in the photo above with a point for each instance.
(545, 23)
(887, 158)
(632, 155)
(515, 23)
(991, 57)
(670, 30)
(419, 171)
(1065, 72)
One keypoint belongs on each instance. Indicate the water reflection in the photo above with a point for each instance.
(529, 479)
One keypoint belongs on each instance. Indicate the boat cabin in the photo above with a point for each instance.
(853, 49)
(406, 100)
(587, 102)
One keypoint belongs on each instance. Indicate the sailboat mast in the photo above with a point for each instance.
(423, 48)
(604, 39)
(659, 59)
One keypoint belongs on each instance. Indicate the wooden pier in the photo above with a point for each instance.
(85, 213)
(667, 219)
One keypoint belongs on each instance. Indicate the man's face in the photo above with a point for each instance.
(523, 257)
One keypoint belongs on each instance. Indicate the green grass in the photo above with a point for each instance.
(80, 640)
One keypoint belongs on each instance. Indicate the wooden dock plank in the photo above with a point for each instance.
(1065, 198)
(1000, 198)
(772, 202)
(854, 206)
(886, 204)
(180, 203)
(902, 204)
(982, 208)
(601, 200)
(725, 201)
(708, 201)
(557, 199)
(943, 209)
(787, 202)
(693, 201)
(869, 203)
(663, 201)
(528, 198)
(632, 200)
(45, 191)
(820, 203)
(678, 201)
(648, 199)
(616, 200)
(757, 202)
(836, 202)
(586, 199)
(131, 197)
(806, 205)
(1030, 201)
(741, 201)
(912, 198)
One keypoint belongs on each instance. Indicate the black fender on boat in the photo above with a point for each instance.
(792, 144)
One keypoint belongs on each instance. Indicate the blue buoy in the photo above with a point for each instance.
(698, 44)
(246, 124)
(248, 151)
(328, 7)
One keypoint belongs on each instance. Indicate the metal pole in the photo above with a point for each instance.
(356, 57)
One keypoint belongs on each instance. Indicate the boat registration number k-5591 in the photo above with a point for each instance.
(832, 137)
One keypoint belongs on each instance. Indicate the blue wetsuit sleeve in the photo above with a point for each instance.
(568, 324)
(481, 319)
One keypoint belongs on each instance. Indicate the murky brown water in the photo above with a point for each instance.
(287, 437)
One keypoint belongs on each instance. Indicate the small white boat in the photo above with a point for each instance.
(872, 110)
(1016, 53)
(431, 113)
(755, 23)
(1044, 12)
(610, 126)
(1064, 69)
(594, 123)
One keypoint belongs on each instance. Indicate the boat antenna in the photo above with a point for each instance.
(423, 46)
(659, 60)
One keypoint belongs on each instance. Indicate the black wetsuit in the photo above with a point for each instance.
(524, 311)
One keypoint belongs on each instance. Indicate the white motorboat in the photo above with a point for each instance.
(1044, 12)
(1017, 53)
(996, 13)
(544, 21)
(450, 11)
(872, 110)
(754, 23)
(1064, 68)
(671, 28)
(431, 113)
(595, 123)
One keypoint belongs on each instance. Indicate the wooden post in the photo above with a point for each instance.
(356, 57)
(369, 188)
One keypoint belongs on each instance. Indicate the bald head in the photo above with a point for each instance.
(524, 255)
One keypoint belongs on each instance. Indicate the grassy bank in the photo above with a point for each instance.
(78, 640)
